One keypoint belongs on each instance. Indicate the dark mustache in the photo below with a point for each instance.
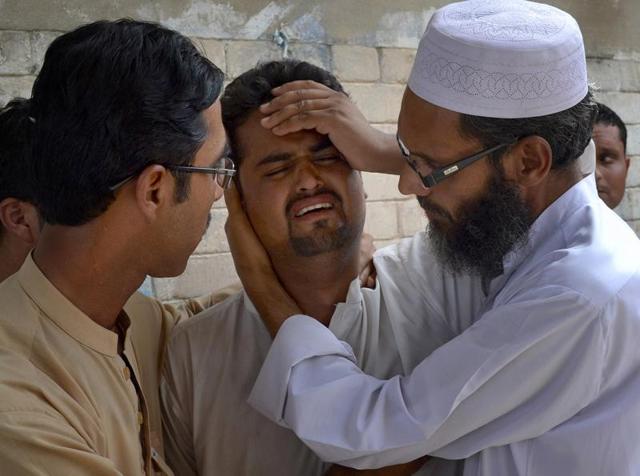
(429, 206)
(301, 195)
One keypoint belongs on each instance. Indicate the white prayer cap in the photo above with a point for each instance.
(501, 58)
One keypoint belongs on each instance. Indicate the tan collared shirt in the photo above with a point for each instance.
(70, 404)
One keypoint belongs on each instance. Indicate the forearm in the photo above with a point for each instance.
(383, 154)
(306, 105)
(310, 382)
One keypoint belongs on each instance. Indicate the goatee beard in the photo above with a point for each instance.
(323, 239)
(484, 232)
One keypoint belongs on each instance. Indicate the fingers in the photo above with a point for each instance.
(238, 229)
(232, 199)
(368, 276)
(300, 84)
(320, 121)
(295, 105)
(367, 246)
(293, 97)
(300, 110)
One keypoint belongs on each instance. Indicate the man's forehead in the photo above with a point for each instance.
(257, 143)
(428, 129)
(605, 131)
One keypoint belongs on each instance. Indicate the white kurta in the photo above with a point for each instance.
(545, 382)
(214, 359)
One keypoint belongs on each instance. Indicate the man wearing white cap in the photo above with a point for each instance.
(545, 381)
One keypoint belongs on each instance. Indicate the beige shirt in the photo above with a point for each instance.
(69, 402)
(213, 361)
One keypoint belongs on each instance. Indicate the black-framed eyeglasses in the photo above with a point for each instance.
(223, 172)
(432, 176)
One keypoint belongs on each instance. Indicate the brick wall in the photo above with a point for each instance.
(373, 67)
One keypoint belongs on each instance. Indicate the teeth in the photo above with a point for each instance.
(313, 207)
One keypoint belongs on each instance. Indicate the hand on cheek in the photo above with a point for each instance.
(254, 267)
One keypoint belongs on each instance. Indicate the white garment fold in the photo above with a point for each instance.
(545, 382)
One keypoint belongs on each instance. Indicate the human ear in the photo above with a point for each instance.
(21, 219)
(528, 162)
(154, 189)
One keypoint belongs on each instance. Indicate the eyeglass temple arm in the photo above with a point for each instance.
(440, 175)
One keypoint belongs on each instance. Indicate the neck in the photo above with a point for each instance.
(12, 254)
(93, 269)
(319, 282)
(552, 189)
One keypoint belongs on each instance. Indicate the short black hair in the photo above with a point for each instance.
(608, 117)
(14, 170)
(253, 88)
(112, 98)
(15, 176)
(568, 132)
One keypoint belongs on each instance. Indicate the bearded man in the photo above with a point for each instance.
(545, 379)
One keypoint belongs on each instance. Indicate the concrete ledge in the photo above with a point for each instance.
(613, 75)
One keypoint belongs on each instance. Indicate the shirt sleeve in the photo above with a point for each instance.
(186, 308)
(35, 443)
(520, 370)
(175, 390)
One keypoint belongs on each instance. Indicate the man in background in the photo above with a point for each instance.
(19, 220)
(612, 162)
(493, 161)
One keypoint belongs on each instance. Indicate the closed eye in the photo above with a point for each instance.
(427, 162)
(277, 171)
(328, 159)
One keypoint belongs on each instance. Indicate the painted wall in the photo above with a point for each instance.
(368, 44)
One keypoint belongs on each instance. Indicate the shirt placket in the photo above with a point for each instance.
(130, 375)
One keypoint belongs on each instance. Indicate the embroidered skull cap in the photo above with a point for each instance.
(501, 58)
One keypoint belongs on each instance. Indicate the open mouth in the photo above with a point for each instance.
(313, 209)
(309, 206)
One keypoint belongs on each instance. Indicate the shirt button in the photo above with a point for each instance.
(126, 373)
(140, 418)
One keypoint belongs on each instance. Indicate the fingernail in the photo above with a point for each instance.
(265, 106)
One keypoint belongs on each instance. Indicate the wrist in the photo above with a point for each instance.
(274, 305)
